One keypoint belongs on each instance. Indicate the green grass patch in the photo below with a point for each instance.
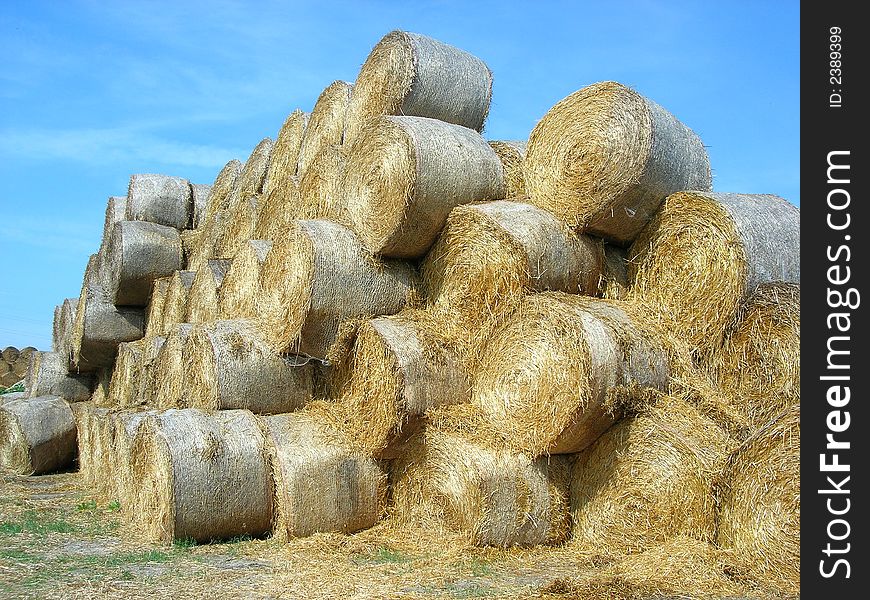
(16, 555)
(38, 523)
(18, 387)
(384, 555)
(87, 505)
(183, 543)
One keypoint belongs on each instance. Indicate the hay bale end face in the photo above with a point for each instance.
(319, 276)
(605, 157)
(238, 293)
(159, 199)
(412, 74)
(552, 378)
(405, 174)
(758, 495)
(48, 375)
(321, 485)
(512, 154)
(704, 252)
(201, 476)
(228, 366)
(138, 253)
(37, 435)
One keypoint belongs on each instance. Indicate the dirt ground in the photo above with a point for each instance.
(59, 541)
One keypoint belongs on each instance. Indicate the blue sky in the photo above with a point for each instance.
(91, 92)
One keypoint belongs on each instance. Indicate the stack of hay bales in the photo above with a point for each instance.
(14, 364)
(381, 312)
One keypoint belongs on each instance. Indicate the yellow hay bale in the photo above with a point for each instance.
(405, 174)
(277, 210)
(494, 496)
(138, 253)
(228, 366)
(37, 435)
(512, 155)
(412, 74)
(103, 378)
(48, 375)
(102, 439)
(320, 188)
(200, 195)
(81, 414)
(758, 365)
(253, 176)
(201, 476)
(648, 479)
(321, 484)
(758, 494)
(202, 299)
(281, 168)
(159, 199)
(62, 333)
(125, 382)
(146, 382)
(319, 276)
(615, 282)
(490, 254)
(125, 424)
(237, 296)
(156, 306)
(397, 369)
(326, 124)
(605, 157)
(551, 378)
(116, 211)
(704, 252)
(209, 239)
(169, 387)
(190, 242)
(218, 201)
(242, 219)
(175, 303)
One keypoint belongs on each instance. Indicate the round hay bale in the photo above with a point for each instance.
(10, 354)
(147, 382)
(281, 167)
(37, 435)
(320, 188)
(512, 154)
(201, 476)
(237, 296)
(277, 210)
(8, 378)
(397, 369)
(221, 190)
(491, 254)
(125, 376)
(758, 494)
(65, 325)
(175, 303)
(253, 176)
(704, 252)
(116, 211)
(138, 253)
(228, 366)
(102, 438)
(168, 388)
(19, 367)
(615, 281)
(82, 413)
(412, 74)
(156, 306)
(552, 378)
(321, 484)
(325, 125)
(159, 199)
(320, 276)
(605, 157)
(758, 365)
(200, 194)
(405, 174)
(242, 220)
(125, 425)
(647, 479)
(55, 328)
(26, 352)
(202, 300)
(190, 241)
(48, 375)
(494, 496)
(102, 380)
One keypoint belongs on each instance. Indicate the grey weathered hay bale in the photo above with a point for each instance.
(55, 328)
(201, 476)
(512, 154)
(491, 254)
(758, 494)
(168, 386)
(138, 253)
(228, 366)
(48, 375)
(615, 281)
(175, 303)
(146, 382)
(100, 325)
(605, 157)
(396, 369)
(552, 377)
(281, 167)
(321, 484)
(648, 479)
(125, 425)
(319, 276)
(325, 125)
(405, 174)
(62, 329)
(202, 300)
(200, 194)
(116, 211)
(320, 189)
(156, 306)
(494, 496)
(704, 252)
(278, 209)
(237, 296)
(412, 74)
(159, 199)
(758, 364)
(9, 396)
(10, 354)
(37, 435)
